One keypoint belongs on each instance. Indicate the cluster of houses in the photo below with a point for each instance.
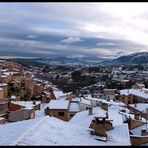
(105, 115)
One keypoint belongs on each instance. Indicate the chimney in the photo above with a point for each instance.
(100, 127)
(90, 111)
(143, 132)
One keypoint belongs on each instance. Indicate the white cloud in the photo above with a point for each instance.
(70, 40)
(31, 36)
(105, 44)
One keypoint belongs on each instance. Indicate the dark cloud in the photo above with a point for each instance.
(38, 29)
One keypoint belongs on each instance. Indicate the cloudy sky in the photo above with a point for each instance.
(73, 29)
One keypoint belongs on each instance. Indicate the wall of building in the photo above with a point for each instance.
(54, 112)
(134, 123)
(2, 121)
(20, 115)
(138, 140)
(135, 111)
(3, 108)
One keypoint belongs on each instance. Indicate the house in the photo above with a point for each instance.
(138, 128)
(58, 108)
(109, 93)
(139, 109)
(130, 96)
(139, 135)
(21, 114)
(59, 95)
(28, 104)
(127, 99)
(138, 86)
(22, 110)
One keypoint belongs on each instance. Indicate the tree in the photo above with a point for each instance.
(76, 75)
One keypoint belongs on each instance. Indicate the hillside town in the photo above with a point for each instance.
(100, 106)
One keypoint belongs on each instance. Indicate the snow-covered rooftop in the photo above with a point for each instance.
(53, 131)
(8, 73)
(82, 118)
(3, 84)
(136, 92)
(1, 118)
(137, 131)
(3, 76)
(74, 107)
(11, 131)
(82, 100)
(60, 95)
(140, 106)
(58, 104)
(26, 104)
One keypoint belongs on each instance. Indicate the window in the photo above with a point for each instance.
(60, 113)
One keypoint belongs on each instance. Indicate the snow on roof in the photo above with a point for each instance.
(53, 131)
(11, 131)
(4, 76)
(3, 70)
(120, 134)
(82, 118)
(13, 97)
(136, 92)
(114, 115)
(59, 94)
(26, 104)
(139, 84)
(108, 102)
(125, 80)
(85, 101)
(1, 118)
(8, 73)
(140, 106)
(137, 131)
(74, 107)
(58, 104)
(3, 84)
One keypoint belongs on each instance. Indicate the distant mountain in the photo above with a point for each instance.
(136, 58)
(71, 60)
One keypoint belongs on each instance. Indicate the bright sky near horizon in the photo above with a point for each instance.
(78, 29)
